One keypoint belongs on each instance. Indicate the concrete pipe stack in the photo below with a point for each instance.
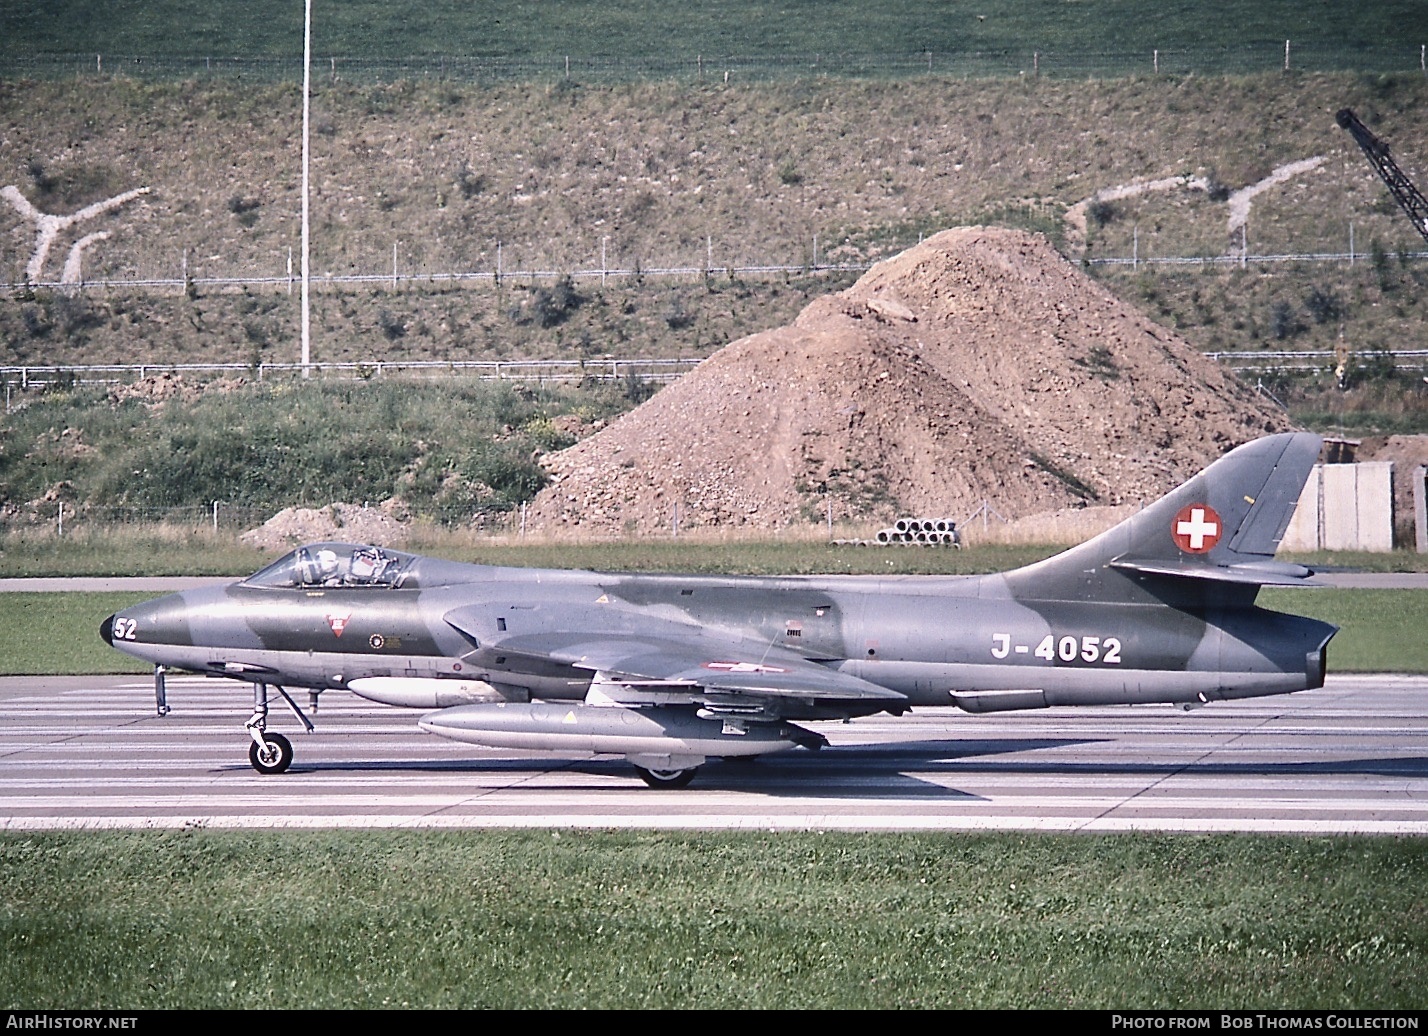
(932, 532)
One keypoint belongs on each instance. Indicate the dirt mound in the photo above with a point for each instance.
(349, 523)
(978, 366)
(155, 390)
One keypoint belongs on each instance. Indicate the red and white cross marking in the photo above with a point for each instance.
(1197, 528)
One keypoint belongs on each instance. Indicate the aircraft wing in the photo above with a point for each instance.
(720, 665)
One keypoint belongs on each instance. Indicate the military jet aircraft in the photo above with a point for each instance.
(671, 670)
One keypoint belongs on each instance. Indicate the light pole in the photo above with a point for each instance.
(306, 104)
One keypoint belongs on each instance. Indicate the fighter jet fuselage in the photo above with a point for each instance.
(671, 669)
(933, 641)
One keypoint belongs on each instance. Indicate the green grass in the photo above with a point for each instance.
(651, 920)
(1401, 560)
(49, 633)
(449, 449)
(761, 558)
(650, 28)
(1381, 630)
(109, 551)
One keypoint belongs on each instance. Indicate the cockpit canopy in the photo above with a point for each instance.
(337, 565)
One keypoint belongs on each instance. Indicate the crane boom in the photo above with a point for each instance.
(1399, 185)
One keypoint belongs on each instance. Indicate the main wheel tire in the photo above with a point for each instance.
(275, 756)
(667, 778)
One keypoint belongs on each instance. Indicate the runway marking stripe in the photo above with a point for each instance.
(663, 821)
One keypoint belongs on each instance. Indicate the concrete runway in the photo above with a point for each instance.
(1353, 757)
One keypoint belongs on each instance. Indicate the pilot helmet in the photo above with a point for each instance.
(326, 563)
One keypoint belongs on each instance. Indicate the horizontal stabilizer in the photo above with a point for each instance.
(1253, 573)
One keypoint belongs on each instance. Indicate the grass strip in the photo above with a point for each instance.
(1381, 631)
(641, 28)
(46, 634)
(208, 919)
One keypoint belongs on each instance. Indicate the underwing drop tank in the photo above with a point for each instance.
(682, 734)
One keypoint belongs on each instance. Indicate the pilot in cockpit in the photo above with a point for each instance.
(327, 568)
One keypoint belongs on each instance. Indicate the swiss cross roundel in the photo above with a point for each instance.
(1196, 528)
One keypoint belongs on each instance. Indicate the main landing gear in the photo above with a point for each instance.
(271, 752)
(667, 778)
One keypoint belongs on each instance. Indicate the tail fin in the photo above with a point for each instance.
(1222, 526)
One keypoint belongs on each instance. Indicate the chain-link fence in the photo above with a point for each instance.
(66, 517)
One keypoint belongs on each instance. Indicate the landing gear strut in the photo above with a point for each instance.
(271, 752)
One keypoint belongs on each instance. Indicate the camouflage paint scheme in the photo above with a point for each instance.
(669, 670)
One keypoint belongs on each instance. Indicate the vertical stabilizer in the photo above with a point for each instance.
(1223, 525)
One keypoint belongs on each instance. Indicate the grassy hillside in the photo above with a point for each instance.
(448, 450)
(564, 179)
(650, 28)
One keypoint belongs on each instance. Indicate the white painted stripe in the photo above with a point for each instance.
(664, 821)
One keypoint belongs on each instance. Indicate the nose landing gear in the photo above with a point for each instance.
(271, 752)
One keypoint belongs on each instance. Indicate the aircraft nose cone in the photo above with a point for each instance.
(106, 630)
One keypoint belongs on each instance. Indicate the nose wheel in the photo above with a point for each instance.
(272, 754)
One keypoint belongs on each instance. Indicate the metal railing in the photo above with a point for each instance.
(1246, 59)
(398, 280)
(1319, 359)
(662, 371)
(1350, 258)
(657, 370)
